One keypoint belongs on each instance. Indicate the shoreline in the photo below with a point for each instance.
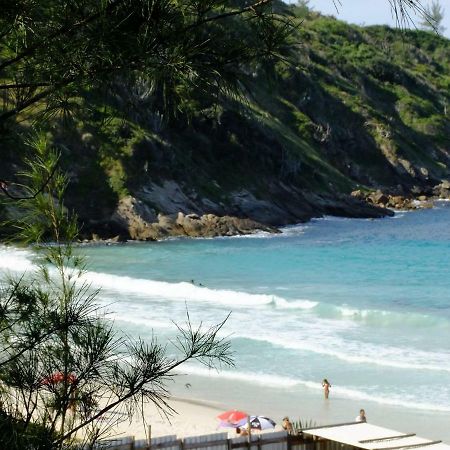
(196, 413)
(420, 205)
(198, 403)
(259, 229)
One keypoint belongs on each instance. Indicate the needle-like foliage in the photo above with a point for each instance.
(53, 51)
(64, 367)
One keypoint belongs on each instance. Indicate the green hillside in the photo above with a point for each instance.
(345, 108)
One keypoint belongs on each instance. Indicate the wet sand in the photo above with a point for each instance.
(198, 406)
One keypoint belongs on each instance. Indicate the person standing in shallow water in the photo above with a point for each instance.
(326, 387)
(362, 416)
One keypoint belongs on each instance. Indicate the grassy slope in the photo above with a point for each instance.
(354, 107)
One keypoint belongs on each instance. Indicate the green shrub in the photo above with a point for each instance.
(16, 435)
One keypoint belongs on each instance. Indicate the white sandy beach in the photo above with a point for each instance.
(193, 418)
(197, 415)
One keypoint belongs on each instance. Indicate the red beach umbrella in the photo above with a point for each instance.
(232, 416)
(58, 377)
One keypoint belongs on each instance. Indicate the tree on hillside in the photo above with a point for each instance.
(64, 368)
(53, 51)
(433, 17)
(302, 8)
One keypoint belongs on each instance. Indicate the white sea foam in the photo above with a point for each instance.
(140, 316)
(143, 322)
(344, 350)
(393, 400)
(185, 291)
(273, 381)
(351, 312)
(358, 353)
(282, 382)
(328, 218)
(255, 235)
(293, 230)
(15, 260)
(294, 304)
(380, 317)
(309, 341)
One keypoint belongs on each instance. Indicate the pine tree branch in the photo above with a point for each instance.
(23, 85)
(66, 30)
(4, 187)
(237, 12)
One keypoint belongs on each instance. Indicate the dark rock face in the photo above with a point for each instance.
(347, 206)
(137, 221)
(245, 204)
(166, 210)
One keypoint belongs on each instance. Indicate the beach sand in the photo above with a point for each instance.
(192, 418)
(198, 406)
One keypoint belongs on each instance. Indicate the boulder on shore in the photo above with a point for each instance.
(140, 222)
(399, 202)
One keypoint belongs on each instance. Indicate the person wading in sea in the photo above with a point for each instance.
(326, 387)
(362, 416)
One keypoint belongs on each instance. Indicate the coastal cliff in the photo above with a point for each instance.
(353, 122)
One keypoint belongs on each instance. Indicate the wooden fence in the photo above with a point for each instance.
(278, 440)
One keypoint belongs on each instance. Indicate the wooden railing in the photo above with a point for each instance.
(278, 440)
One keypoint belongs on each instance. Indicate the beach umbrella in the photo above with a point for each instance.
(59, 377)
(257, 423)
(225, 424)
(232, 417)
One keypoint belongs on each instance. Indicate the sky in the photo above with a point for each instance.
(371, 12)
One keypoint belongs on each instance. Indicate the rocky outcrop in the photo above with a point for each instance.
(133, 218)
(442, 190)
(138, 221)
(417, 199)
(166, 210)
(210, 225)
(158, 211)
(173, 213)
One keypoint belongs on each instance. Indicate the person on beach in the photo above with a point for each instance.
(241, 431)
(287, 425)
(326, 387)
(362, 416)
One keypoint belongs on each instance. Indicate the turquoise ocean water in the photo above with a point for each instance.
(364, 303)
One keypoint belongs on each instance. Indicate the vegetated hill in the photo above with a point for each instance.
(346, 108)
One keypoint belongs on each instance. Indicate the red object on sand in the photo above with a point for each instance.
(58, 377)
(232, 416)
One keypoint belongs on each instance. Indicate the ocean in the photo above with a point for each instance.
(363, 303)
